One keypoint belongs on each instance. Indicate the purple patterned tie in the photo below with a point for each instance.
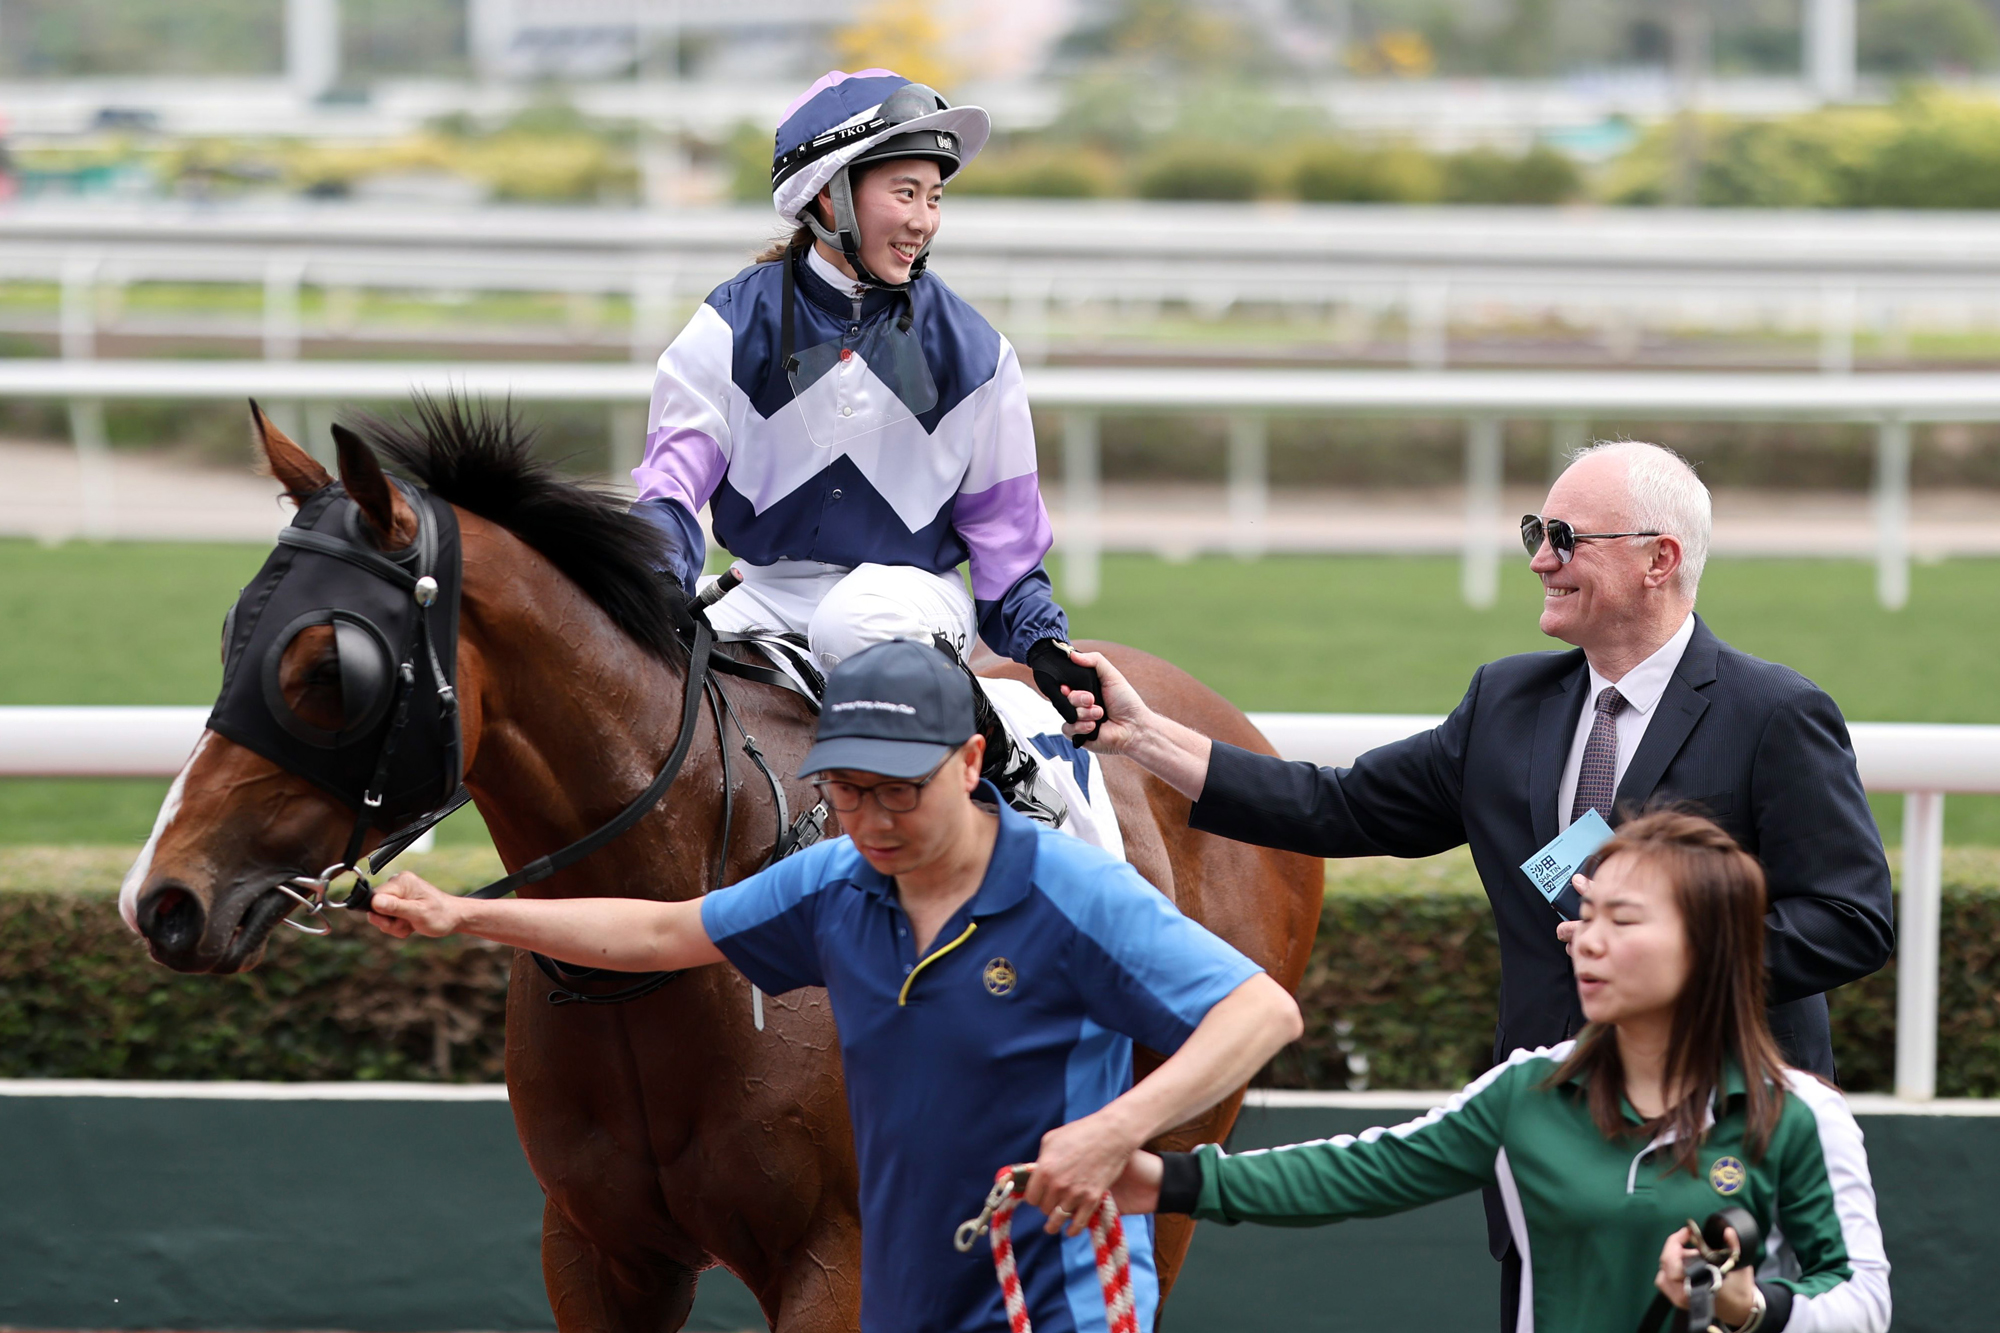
(1597, 776)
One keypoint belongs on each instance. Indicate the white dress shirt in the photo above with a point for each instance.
(1642, 687)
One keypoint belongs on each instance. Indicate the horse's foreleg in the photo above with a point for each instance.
(594, 1292)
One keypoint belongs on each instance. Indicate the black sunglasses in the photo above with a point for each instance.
(1562, 538)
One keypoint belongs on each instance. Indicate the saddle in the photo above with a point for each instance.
(1010, 765)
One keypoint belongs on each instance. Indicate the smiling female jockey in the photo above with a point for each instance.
(857, 430)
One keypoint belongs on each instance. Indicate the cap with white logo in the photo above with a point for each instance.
(895, 709)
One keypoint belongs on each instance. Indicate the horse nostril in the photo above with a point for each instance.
(171, 917)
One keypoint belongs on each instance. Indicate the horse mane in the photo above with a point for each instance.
(483, 460)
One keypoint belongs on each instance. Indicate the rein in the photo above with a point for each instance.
(704, 662)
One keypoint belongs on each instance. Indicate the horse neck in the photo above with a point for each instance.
(567, 721)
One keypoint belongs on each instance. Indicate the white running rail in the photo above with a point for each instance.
(1921, 760)
(1483, 400)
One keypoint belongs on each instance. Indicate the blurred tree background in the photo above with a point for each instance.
(1219, 100)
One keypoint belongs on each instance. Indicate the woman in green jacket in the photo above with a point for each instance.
(1671, 1104)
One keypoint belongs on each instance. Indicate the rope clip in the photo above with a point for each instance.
(972, 1229)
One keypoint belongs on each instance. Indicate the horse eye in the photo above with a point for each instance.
(309, 676)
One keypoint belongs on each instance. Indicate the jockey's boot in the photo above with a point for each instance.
(1012, 767)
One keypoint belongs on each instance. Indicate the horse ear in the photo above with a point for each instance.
(368, 486)
(296, 470)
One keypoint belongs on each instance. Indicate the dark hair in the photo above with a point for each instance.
(1719, 1013)
(800, 237)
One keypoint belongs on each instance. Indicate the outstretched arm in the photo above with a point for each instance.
(1400, 799)
(1080, 1160)
(1176, 754)
(1451, 1150)
(622, 934)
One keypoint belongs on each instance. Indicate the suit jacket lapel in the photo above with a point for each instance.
(1555, 729)
(1673, 719)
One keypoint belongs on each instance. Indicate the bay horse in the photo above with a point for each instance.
(670, 1133)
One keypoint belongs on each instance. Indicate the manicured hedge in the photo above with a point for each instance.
(80, 999)
(1400, 992)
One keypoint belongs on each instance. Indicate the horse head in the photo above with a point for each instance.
(238, 826)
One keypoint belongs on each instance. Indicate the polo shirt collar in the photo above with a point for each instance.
(1733, 1089)
(1008, 872)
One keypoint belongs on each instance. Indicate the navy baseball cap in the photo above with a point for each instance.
(895, 708)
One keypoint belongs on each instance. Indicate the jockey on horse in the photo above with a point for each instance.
(859, 431)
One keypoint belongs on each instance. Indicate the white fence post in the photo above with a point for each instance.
(79, 308)
(1029, 296)
(1567, 437)
(93, 463)
(317, 439)
(1917, 919)
(281, 309)
(1429, 332)
(654, 291)
(1892, 513)
(627, 446)
(312, 46)
(1082, 538)
(1480, 572)
(1829, 54)
(1249, 483)
(1838, 306)
(86, 415)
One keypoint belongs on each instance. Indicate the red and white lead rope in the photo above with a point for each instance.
(1107, 1239)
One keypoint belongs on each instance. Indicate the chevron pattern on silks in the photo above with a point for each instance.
(1597, 775)
(1107, 1238)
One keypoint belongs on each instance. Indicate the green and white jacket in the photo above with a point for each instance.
(1589, 1215)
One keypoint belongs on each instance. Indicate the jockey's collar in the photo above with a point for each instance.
(838, 303)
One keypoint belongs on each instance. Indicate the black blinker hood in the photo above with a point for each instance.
(395, 655)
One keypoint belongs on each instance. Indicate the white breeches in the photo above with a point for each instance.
(842, 611)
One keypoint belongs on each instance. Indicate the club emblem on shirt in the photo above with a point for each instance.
(1000, 976)
(1727, 1175)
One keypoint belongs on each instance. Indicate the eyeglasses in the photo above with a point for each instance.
(1562, 538)
(898, 797)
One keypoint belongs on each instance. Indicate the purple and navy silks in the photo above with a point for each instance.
(952, 484)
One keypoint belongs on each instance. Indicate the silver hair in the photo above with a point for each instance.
(1666, 496)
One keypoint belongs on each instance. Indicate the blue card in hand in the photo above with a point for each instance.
(1550, 869)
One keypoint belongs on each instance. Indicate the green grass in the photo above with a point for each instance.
(139, 624)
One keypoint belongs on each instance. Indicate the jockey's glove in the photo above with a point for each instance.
(1050, 661)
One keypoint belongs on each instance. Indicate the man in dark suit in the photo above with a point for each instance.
(1650, 707)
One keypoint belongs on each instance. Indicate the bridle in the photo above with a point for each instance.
(418, 572)
(419, 578)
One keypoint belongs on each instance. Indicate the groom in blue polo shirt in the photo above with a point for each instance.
(988, 976)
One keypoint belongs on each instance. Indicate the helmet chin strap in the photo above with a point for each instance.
(846, 235)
